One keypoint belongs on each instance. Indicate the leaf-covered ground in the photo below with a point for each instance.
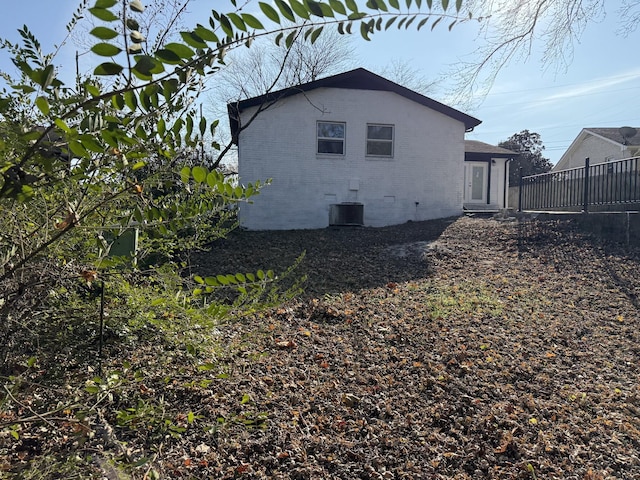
(464, 348)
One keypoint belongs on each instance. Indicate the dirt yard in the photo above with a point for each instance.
(457, 349)
(466, 348)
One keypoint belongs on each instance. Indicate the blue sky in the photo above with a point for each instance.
(600, 88)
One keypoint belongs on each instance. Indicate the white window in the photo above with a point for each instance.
(331, 138)
(380, 140)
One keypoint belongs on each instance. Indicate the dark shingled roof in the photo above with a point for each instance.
(615, 135)
(474, 149)
(358, 79)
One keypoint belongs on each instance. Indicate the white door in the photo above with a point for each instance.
(475, 182)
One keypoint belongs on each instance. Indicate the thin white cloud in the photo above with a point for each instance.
(596, 85)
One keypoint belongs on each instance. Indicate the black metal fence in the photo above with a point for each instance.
(611, 186)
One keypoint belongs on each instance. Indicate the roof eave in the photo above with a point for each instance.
(359, 78)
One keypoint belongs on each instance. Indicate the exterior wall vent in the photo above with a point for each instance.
(346, 214)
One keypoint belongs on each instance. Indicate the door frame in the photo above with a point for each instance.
(468, 181)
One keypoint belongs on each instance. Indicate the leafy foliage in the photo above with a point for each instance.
(122, 153)
(529, 147)
(84, 163)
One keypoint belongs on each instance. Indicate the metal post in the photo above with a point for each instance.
(585, 203)
(520, 190)
(101, 338)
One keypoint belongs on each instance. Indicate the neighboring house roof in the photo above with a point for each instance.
(358, 79)
(612, 135)
(475, 150)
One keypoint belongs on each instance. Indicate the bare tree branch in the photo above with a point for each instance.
(629, 14)
(268, 67)
(509, 30)
(404, 73)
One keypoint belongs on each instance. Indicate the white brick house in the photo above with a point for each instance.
(354, 148)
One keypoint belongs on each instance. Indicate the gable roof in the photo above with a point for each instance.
(608, 134)
(474, 149)
(358, 79)
(614, 135)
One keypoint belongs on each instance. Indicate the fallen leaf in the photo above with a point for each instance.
(349, 399)
(203, 448)
(282, 344)
(89, 276)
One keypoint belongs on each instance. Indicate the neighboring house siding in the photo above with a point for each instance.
(597, 149)
(427, 165)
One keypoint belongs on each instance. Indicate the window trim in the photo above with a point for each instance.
(319, 138)
(392, 141)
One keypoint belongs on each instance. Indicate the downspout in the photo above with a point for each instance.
(489, 181)
(505, 196)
